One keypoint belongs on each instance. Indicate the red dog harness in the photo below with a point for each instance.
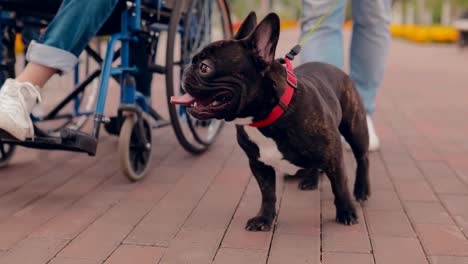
(282, 106)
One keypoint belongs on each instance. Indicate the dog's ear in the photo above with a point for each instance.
(247, 26)
(265, 38)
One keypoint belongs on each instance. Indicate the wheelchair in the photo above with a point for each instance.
(134, 31)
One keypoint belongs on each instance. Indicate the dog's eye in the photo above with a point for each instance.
(204, 68)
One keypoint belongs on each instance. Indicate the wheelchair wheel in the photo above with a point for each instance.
(135, 148)
(6, 153)
(7, 70)
(191, 30)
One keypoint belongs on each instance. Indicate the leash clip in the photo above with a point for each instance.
(294, 51)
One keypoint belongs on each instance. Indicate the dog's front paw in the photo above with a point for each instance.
(346, 216)
(308, 184)
(259, 223)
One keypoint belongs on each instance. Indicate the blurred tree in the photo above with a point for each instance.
(286, 9)
(407, 11)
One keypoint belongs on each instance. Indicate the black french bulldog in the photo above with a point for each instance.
(239, 79)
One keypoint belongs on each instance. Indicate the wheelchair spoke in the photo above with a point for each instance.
(203, 23)
(142, 158)
(2, 150)
(135, 161)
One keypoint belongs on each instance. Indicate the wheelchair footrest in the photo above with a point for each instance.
(69, 140)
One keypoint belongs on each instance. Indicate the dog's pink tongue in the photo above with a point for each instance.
(185, 99)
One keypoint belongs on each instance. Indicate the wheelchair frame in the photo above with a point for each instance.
(131, 100)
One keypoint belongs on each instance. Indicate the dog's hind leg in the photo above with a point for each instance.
(309, 178)
(354, 130)
(345, 211)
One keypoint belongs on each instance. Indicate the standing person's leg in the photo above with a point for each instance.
(369, 48)
(326, 43)
(76, 23)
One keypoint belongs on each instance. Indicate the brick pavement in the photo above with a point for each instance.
(72, 209)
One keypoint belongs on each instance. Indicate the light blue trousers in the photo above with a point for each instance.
(369, 44)
(75, 24)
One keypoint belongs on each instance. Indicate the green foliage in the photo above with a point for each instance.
(462, 3)
(292, 9)
(240, 8)
(286, 9)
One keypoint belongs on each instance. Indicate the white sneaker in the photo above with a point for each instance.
(374, 143)
(461, 24)
(16, 102)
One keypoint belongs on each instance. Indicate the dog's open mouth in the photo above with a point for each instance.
(204, 108)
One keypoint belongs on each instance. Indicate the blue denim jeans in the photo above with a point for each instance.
(369, 44)
(75, 24)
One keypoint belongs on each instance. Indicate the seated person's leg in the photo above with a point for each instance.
(30, 33)
(76, 23)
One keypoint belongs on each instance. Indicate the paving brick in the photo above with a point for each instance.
(21, 172)
(36, 188)
(222, 198)
(456, 204)
(349, 258)
(105, 234)
(33, 251)
(448, 260)
(420, 150)
(442, 178)
(61, 260)
(168, 216)
(126, 254)
(462, 222)
(72, 221)
(212, 215)
(38, 213)
(236, 236)
(459, 165)
(391, 250)
(44, 209)
(340, 238)
(383, 223)
(415, 191)
(395, 155)
(244, 256)
(193, 247)
(442, 240)
(300, 211)
(402, 172)
(383, 200)
(424, 152)
(287, 248)
(299, 221)
(69, 224)
(427, 213)
(325, 189)
(378, 173)
(295, 198)
(119, 220)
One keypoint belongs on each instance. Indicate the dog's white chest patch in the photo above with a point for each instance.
(269, 153)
